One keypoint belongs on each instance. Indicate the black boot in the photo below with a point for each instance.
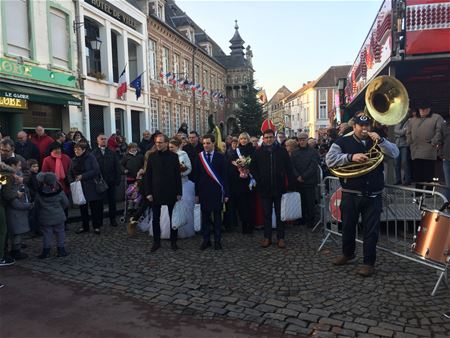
(45, 253)
(62, 252)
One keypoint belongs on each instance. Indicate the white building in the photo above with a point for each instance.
(38, 66)
(119, 29)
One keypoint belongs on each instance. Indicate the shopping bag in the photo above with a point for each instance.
(145, 221)
(77, 193)
(291, 206)
(197, 218)
(179, 215)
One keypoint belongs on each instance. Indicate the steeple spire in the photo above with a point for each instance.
(237, 44)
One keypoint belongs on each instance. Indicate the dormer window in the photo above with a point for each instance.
(156, 8)
(188, 31)
(207, 47)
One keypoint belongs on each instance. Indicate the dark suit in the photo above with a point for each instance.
(111, 171)
(27, 150)
(163, 182)
(211, 195)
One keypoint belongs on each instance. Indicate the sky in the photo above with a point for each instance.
(292, 41)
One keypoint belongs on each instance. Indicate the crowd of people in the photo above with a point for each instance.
(238, 183)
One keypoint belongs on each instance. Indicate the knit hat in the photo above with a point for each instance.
(47, 178)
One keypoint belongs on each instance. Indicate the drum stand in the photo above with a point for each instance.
(443, 277)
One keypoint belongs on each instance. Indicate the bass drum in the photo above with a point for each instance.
(433, 237)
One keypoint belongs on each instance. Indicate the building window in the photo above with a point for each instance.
(322, 104)
(154, 114)
(187, 116)
(60, 38)
(120, 121)
(176, 66)
(165, 61)
(205, 80)
(177, 117)
(197, 121)
(93, 57)
(160, 12)
(186, 68)
(132, 59)
(166, 125)
(115, 56)
(205, 121)
(152, 56)
(18, 32)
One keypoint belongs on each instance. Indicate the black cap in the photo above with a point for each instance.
(363, 120)
(423, 104)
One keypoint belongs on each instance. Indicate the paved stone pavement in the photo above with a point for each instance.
(296, 290)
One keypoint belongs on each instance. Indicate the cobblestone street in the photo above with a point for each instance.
(295, 290)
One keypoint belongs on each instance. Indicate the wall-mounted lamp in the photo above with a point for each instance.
(96, 44)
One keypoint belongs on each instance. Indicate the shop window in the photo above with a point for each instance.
(60, 38)
(115, 56)
(132, 59)
(96, 123)
(18, 32)
(93, 57)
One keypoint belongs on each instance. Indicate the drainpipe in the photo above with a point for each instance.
(80, 76)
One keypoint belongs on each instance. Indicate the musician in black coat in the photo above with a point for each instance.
(209, 193)
(163, 187)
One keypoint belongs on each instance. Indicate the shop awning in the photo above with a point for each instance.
(38, 95)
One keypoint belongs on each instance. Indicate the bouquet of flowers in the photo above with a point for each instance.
(243, 164)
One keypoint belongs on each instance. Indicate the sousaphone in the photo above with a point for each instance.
(387, 102)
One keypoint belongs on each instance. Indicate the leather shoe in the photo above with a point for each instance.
(217, 246)
(174, 246)
(81, 230)
(205, 245)
(155, 247)
(265, 243)
(343, 259)
(281, 244)
(366, 270)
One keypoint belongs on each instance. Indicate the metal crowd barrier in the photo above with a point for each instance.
(400, 219)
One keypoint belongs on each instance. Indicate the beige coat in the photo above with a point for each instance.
(423, 134)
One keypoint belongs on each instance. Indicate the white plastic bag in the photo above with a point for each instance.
(179, 215)
(291, 206)
(77, 193)
(145, 221)
(197, 218)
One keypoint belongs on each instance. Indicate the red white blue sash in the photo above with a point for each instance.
(211, 172)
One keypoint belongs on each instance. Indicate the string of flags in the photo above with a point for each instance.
(184, 84)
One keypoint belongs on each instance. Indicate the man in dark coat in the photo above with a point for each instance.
(194, 141)
(110, 169)
(146, 143)
(25, 147)
(305, 163)
(272, 169)
(209, 192)
(163, 187)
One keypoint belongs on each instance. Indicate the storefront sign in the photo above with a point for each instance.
(114, 12)
(10, 102)
(10, 68)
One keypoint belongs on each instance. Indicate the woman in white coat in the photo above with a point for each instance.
(188, 198)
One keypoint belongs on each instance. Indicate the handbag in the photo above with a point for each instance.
(100, 185)
(291, 206)
(77, 193)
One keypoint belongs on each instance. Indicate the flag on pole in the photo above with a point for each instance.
(122, 89)
(137, 84)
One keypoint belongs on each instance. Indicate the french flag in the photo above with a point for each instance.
(122, 89)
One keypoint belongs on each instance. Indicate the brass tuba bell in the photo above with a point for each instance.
(387, 102)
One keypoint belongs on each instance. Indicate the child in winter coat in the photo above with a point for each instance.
(17, 208)
(51, 202)
(33, 186)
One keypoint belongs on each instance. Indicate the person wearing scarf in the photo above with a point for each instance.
(59, 164)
